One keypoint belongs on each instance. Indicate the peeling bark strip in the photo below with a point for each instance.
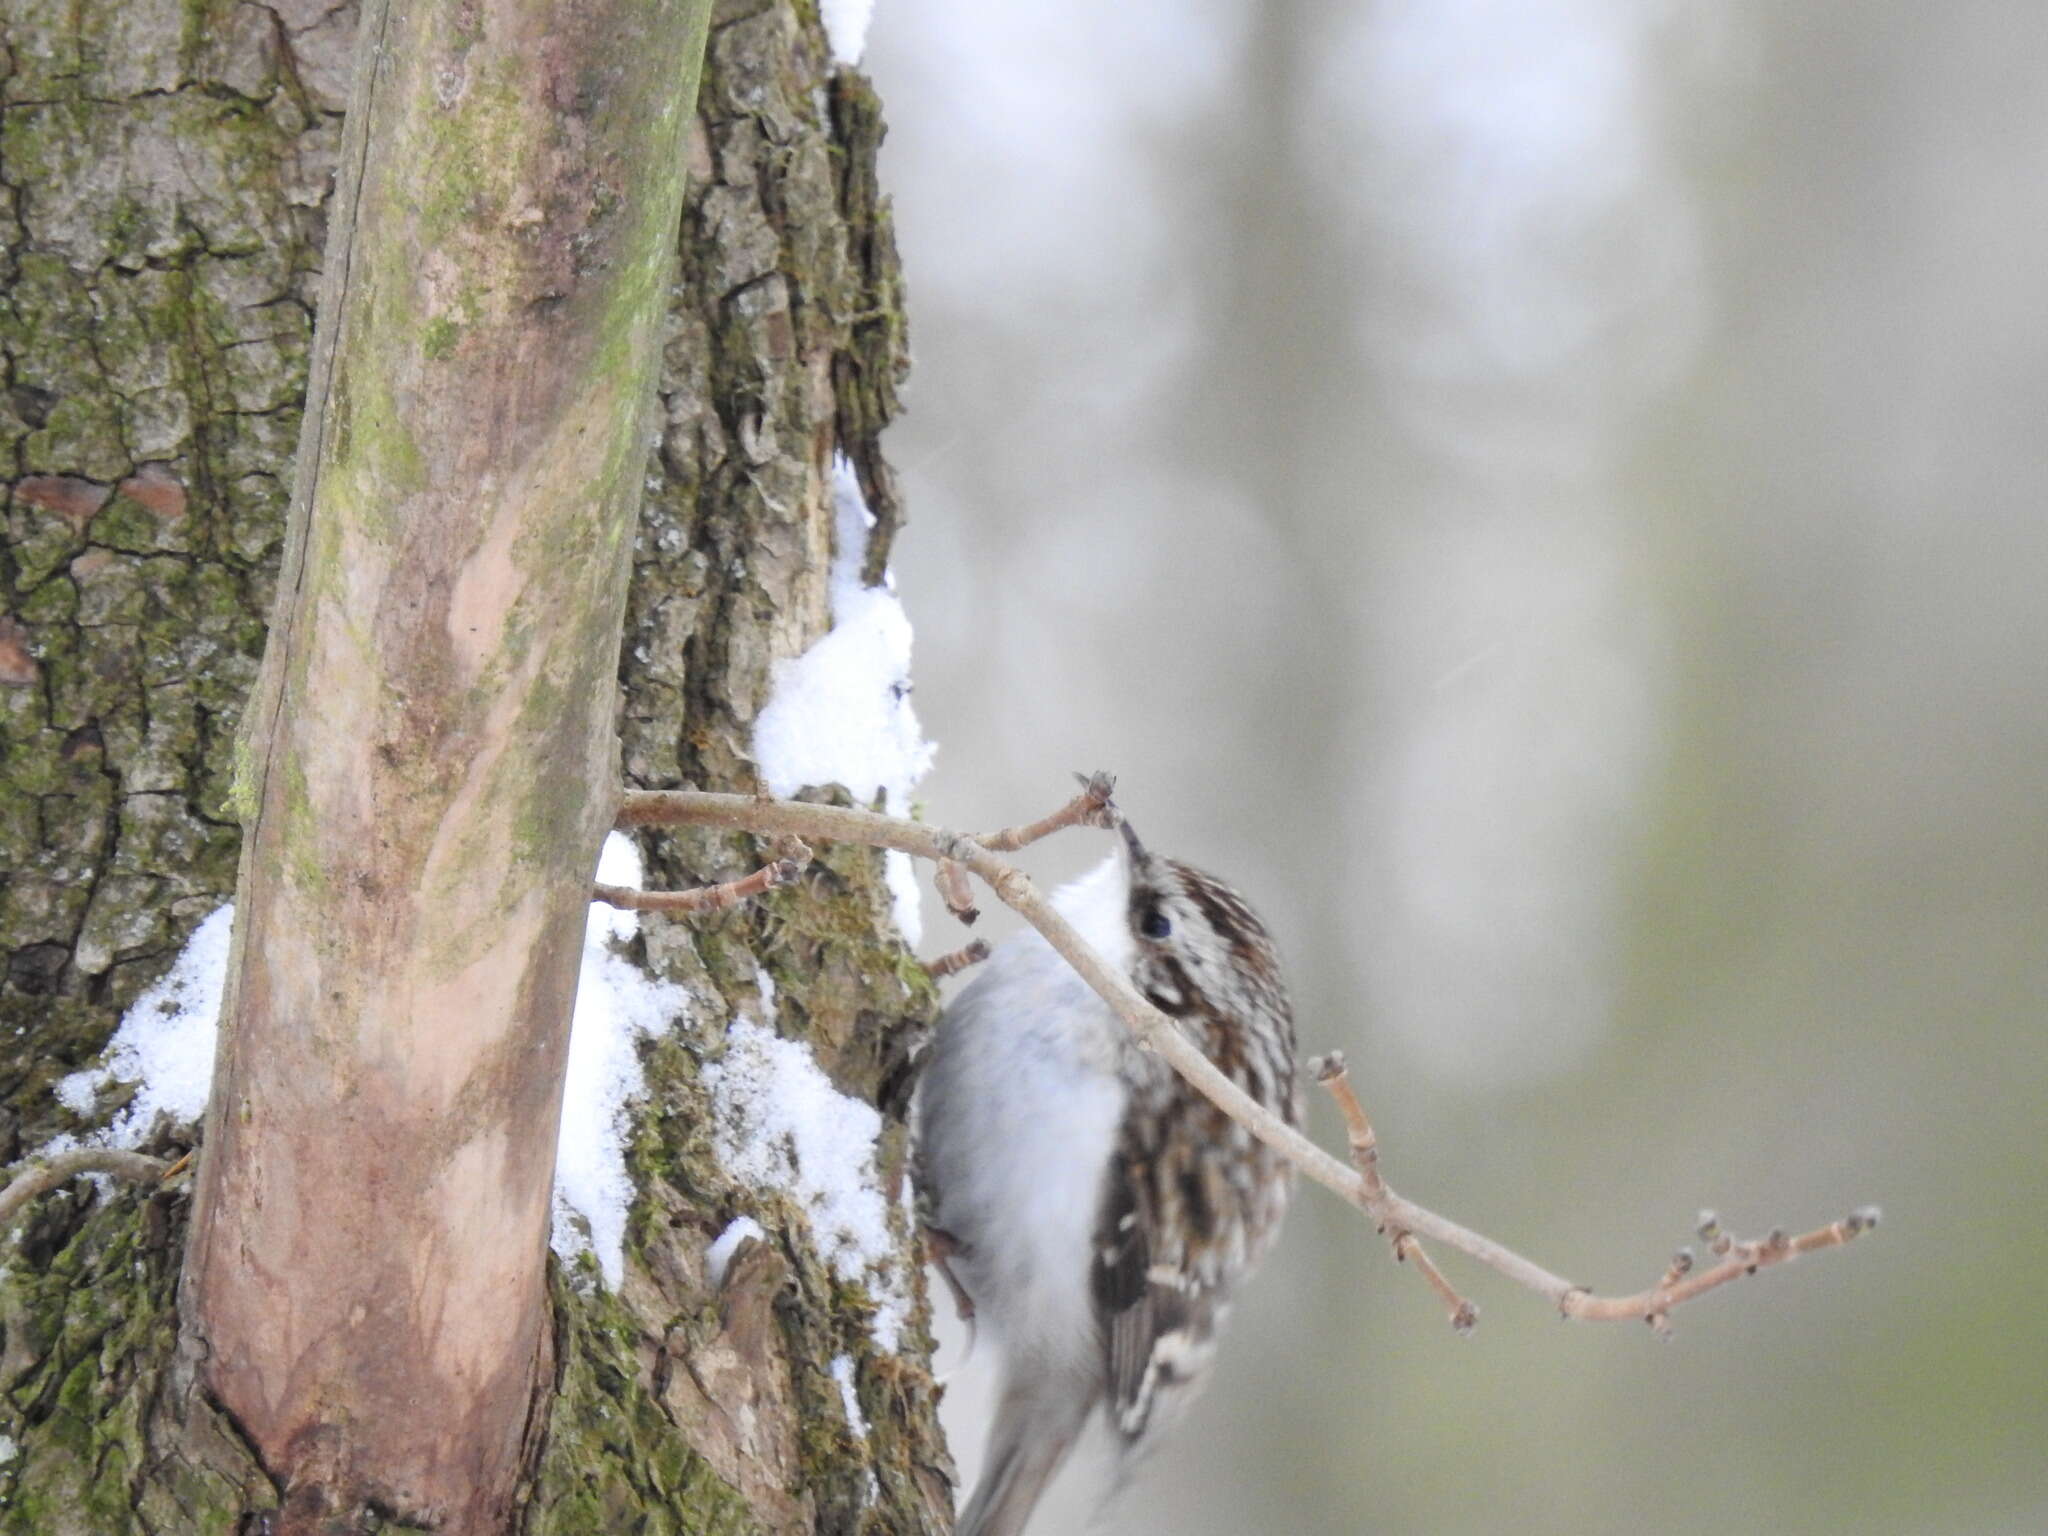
(436, 707)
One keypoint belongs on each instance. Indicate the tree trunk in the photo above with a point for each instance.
(431, 752)
(163, 179)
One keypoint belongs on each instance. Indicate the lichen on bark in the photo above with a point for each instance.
(164, 168)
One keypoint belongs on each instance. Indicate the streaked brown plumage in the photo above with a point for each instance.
(1102, 1211)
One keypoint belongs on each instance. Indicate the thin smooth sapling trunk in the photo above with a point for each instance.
(425, 755)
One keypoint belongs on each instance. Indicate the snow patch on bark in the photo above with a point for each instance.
(779, 1124)
(841, 712)
(842, 1372)
(166, 1042)
(846, 27)
(718, 1257)
(617, 1005)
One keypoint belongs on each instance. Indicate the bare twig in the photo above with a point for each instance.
(1155, 1031)
(1737, 1259)
(958, 960)
(45, 1174)
(712, 898)
(1464, 1317)
(1093, 807)
(1679, 1267)
(1332, 1072)
(956, 891)
(1090, 808)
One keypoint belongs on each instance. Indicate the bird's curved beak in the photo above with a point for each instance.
(1137, 849)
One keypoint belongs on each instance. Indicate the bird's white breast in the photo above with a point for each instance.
(1025, 1068)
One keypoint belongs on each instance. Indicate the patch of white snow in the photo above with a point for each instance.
(906, 903)
(842, 1372)
(616, 1005)
(778, 1123)
(718, 1257)
(841, 712)
(846, 27)
(164, 1044)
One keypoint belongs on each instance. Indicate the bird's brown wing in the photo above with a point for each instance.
(1169, 1239)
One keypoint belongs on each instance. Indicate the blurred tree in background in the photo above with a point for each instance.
(1548, 498)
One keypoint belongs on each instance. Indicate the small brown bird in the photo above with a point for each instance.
(1097, 1211)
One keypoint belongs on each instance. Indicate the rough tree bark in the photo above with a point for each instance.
(163, 177)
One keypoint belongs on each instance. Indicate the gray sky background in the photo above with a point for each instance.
(1550, 498)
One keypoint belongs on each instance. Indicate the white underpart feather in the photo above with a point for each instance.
(1098, 905)
(1039, 1069)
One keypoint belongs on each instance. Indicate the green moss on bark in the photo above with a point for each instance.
(614, 1459)
(787, 265)
(104, 1432)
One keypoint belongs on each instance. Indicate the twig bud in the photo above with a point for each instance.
(959, 960)
(1098, 787)
(1709, 1225)
(956, 891)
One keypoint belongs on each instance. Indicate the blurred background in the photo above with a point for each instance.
(1551, 498)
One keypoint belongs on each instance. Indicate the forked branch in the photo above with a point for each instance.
(1403, 1220)
(1093, 807)
(1653, 1306)
(1331, 1072)
(1090, 808)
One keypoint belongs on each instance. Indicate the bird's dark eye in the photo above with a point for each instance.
(1155, 924)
